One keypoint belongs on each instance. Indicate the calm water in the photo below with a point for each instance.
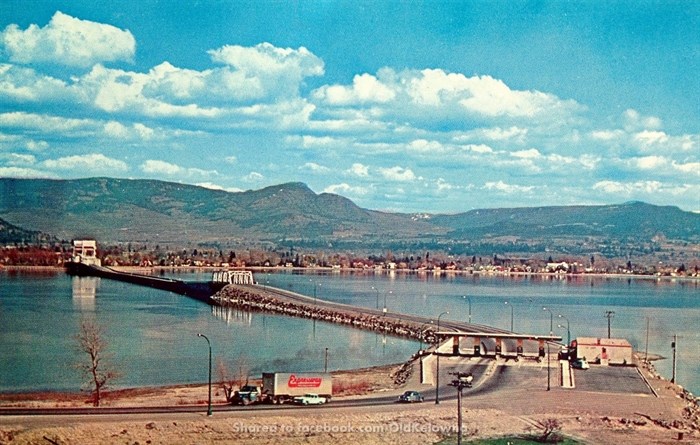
(152, 334)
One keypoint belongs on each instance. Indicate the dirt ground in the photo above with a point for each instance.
(593, 418)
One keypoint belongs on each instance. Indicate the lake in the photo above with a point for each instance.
(153, 338)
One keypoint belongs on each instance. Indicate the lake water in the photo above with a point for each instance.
(153, 339)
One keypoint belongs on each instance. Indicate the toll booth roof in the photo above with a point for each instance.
(590, 341)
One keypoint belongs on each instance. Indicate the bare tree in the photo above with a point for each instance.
(549, 430)
(230, 380)
(97, 374)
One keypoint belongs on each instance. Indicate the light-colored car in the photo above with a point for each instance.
(310, 399)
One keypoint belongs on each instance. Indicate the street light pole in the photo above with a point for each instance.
(551, 332)
(511, 316)
(325, 362)
(568, 329)
(437, 373)
(421, 333)
(377, 295)
(209, 412)
(385, 301)
(470, 307)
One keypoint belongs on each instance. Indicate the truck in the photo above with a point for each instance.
(283, 387)
(246, 395)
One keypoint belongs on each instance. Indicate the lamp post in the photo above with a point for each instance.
(568, 329)
(470, 307)
(511, 316)
(325, 362)
(437, 373)
(551, 319)
(209, 413)
(377, 290)
(551, 331)
(421, 333)
(384, 311)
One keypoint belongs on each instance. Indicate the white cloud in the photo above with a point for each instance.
(627, 188)
(280, 70)
(502, 187)
(688, 167)
(253, 177)
(212, 186)
(607, 135)
(161, 167)
(18, 159)
(397, 174)
(18, 172)
(634, 121)
(47, 124)
(365, 89)
(359, 170)
(649, 162)
(426, 147)
(26, 85)
(346, 189)
(532, 153)
(66, 40)
(314, 167)
(94, 162)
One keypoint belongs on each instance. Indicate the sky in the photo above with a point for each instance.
(404, 106)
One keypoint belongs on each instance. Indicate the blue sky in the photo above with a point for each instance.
(410, 106)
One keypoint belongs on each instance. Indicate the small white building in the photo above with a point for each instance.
(615, 351)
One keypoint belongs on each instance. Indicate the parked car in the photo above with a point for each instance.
(410, 397)
(580, 363)
(310, 399)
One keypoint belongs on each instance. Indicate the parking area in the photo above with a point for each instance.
(619, 379)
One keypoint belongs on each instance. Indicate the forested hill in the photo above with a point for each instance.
(112, 210)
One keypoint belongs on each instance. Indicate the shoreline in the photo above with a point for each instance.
(441, 272)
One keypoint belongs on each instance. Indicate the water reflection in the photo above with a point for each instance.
(84, 290)
(232, 315)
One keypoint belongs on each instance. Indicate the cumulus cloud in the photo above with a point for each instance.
(359, 170)
(93, 163)
(397, 174)
(365, 89)
(634, 121)
(154, 166)
(314, 168)
(22, 84)
(502, 187)
(19, 172)
(66, 40)
(272, 68)
(346, 189)
(253, 177)
(627, 188)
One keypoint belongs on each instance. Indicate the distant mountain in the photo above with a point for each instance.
(148, 211)
(155, 211)
(633, 219)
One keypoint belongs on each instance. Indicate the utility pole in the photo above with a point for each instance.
(609, 315)
(673, 346)
(646, 347)
(463, 380)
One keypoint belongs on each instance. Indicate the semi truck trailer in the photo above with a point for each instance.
(283, 387)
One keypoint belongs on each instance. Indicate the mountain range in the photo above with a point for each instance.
(149, 211)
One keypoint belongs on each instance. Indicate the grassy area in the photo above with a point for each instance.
(513, 440)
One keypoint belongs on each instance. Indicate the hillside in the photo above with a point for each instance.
(155, 211)
(148, 211)
(11, 234)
